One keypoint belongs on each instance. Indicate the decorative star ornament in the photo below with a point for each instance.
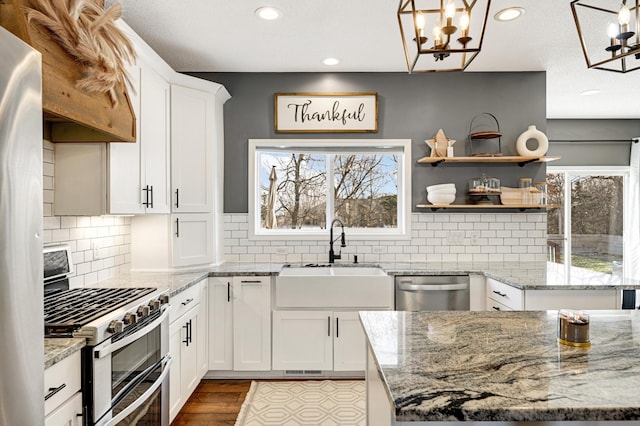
(439, 144)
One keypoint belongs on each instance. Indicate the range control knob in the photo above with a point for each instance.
(130, 318)
(164, 299)
(115, 326)
(143, 311)
(154, 305)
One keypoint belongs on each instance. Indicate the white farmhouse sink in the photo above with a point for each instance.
(333, 271)
(334, 287)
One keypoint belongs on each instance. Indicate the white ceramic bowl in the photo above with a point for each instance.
(441, 186)
(442, 191)
(437, 198)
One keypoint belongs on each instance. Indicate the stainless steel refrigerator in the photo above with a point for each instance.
(21, 291)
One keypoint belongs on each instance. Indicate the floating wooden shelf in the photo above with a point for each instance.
(521, 161)
(521, 207)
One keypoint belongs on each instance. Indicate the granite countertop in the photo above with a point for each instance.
(505, 366)
(57, 349)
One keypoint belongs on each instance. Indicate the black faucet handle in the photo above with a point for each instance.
(343, 240)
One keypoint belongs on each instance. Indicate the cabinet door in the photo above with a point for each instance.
(175, 349)
(252, 323)
(349, 347)
(68, 413)
(183, 345)
(192, 147)
(220, 324)
(302, 340)
(202, 331)
(154, 135)
(125, 192)
(192, 242)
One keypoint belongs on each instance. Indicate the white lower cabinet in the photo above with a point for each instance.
(67, 414)
(318, 340)
(503, 297)
(185, 346)
(63, 400)
(240, 327)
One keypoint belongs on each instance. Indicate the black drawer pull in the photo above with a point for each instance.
(186, 302)
(500, 294)
(53, 391)
(496, 308)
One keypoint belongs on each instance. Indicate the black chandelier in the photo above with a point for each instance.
(442, 35)
(610, 38)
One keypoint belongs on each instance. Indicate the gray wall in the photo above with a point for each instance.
(592, 142)
(411, 106)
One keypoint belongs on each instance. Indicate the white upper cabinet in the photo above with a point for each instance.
(193, 139)
(154, 126)
(121, 178)
(139, 174)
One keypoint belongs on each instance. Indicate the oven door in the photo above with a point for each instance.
(129, 379)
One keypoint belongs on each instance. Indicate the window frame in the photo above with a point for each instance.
(568, 172)
(403, 231)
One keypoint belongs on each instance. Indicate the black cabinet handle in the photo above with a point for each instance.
(53, 391)
(496, 308)
(146, 196)
(250, 281)
(186, 302)
(177, 198)
(151, 191)
(500, 294)
(337, 327)
(190, 331)
(186, 336)
(177, 227)
(228, 291)
(328, 326)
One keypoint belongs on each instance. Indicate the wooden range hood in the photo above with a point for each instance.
(71, 114)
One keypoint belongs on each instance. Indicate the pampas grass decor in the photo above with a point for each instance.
(88, 33)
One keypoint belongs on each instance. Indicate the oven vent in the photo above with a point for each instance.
(302, 372)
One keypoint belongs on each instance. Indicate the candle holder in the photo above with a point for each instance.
(573, 328)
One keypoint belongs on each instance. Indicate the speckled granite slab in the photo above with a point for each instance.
(506, 366)
(57, 349)
(174, 281)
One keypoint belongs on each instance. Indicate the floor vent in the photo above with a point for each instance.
(302, 372)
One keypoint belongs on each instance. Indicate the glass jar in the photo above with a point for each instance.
(524, 184)
(541, 194)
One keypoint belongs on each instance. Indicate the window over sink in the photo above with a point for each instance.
(297, 187)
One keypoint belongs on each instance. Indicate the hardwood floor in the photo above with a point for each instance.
(213, 403)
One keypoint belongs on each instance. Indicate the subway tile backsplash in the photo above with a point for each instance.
(435, 237)
(101, 245)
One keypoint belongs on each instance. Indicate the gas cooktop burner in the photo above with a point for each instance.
(67, 311)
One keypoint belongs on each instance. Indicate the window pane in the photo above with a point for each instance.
(597, 222)
(555, 218)
(366, 190)
(300, 190)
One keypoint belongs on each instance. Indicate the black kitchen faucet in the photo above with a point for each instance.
(343, 241)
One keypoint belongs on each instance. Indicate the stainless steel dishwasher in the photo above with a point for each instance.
(432, 293)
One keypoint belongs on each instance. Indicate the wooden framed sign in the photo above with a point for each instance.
(329, 112)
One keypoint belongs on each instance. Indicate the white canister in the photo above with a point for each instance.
(532, 133)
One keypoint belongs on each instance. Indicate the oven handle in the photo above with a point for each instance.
(112, 347)
(144, 397)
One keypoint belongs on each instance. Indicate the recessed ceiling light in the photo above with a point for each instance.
(509, 14)
(268, 13)
(331, 61)
(590, 92)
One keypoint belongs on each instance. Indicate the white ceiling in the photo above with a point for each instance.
(226, 36)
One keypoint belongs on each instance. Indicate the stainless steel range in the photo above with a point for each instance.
(126, 362)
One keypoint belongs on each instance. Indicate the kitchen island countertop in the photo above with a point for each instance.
(503, 366)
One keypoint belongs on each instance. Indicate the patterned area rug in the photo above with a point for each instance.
(321, 403)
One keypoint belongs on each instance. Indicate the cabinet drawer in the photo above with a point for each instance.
(493, 305)
(63, 377)
(183, 301)
(504, 294)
